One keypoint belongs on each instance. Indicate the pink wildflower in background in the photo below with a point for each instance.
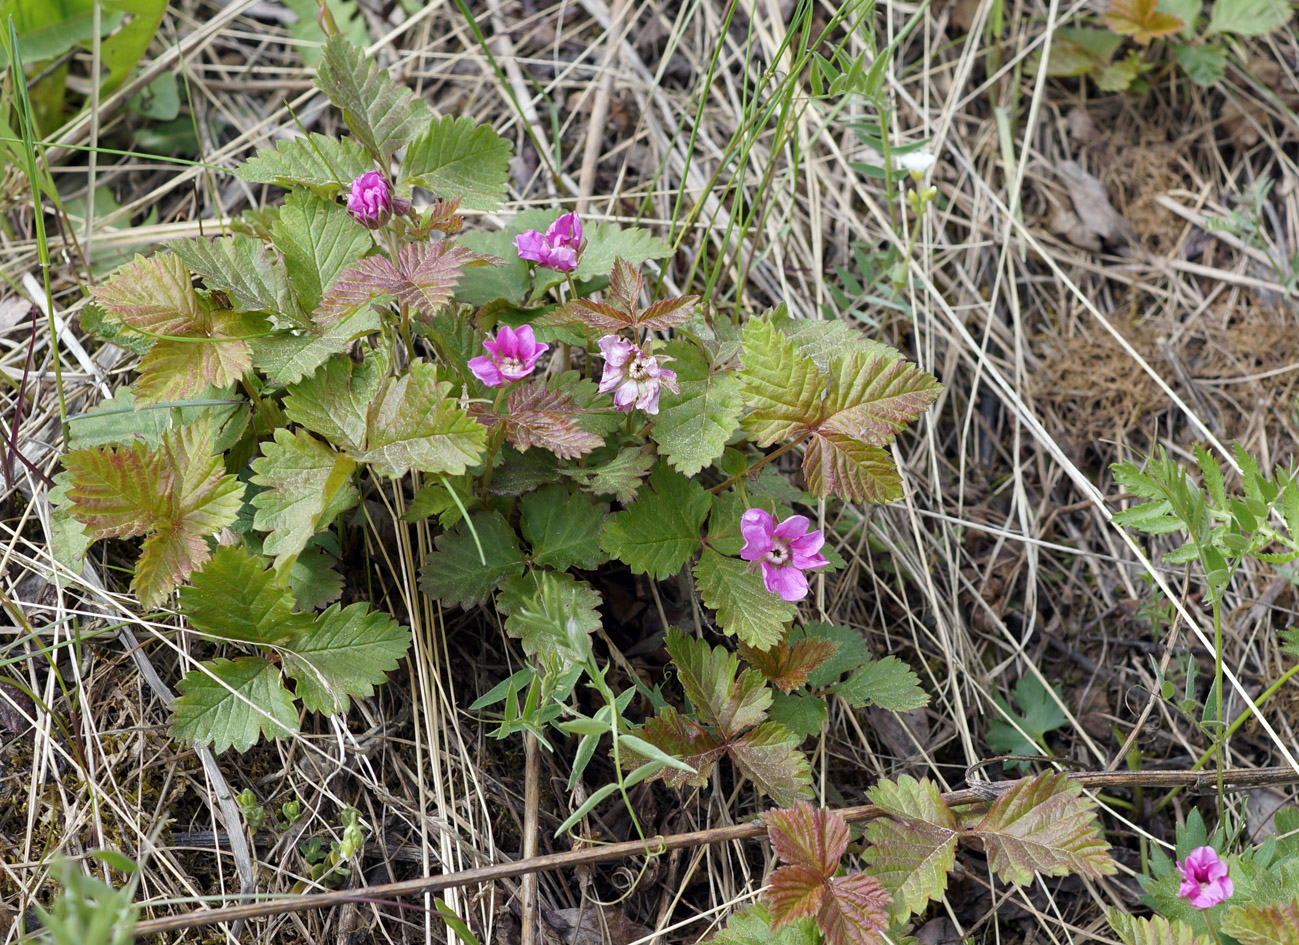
(511, 357)
(558, 249)
(785, 550)
(1204, 878)
(370, 202)
(634, 376)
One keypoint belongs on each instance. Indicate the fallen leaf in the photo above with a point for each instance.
(595, 925)
(1141, 20)
(1092, 204)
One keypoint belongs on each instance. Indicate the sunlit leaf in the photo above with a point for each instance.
(231, 704)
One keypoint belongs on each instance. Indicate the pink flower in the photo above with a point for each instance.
(558, 249)
(785, 550)
(369, 202)
(633, 376)
(513, 356)
(1204, 878)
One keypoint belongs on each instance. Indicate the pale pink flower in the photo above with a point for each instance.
(370, 202)
(558, 249)
(1204, 878)
(634, 376)
(511, 357)
(785, 550)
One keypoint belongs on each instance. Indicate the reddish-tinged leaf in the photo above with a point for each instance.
(1042, 825)
(810, 837)
(153, 294)
(911, 856)
(665, 313)
(787, 666)
(769, 757)
(794, 892)
(442, 215)
(368, 281)
(626, 284)
(178, 369)
(549, 419)
(431, 272)
(1142, 20)
(838, 465)
(855, 911)
(597, 316)
(781, 384)
(873, 399)
(685, 739)
(707, 675)
(118, 492)
(1276, 923)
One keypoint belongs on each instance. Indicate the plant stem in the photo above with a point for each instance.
(715, 490)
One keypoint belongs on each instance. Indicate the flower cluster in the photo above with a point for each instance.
(784, 551)
(558, 249)
(1204, 878)
(511, 357)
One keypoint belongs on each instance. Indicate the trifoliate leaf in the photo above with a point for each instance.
(692, 427)
(781, 384)
(620, 477)
(1247, 17)
(812, 838)
(177, 494)
(684, 739)
(235, 598)
(286, 356)
(551, 419)
(800, 712)
(563, 529)
(744, 606)
(838, 465)
(382, 115)
(622, 311)
(245, 699)
(244, 268)
(1076, 52)
(1038, 714)
(913, 850)
(787, 664)
(348, 652)
(423, 277)
(708, 677)
(418, 425)
(319, 240)
(212, 353)
(153, 295)
(553, 614)
(335, 401)
(1275, 923)
(454, 157)
(457, 576)
(823, 341)
(769, 757)
(660, 532)
(1155, 930)
(307, 485)
(888, 683)
(873, 399)
(1042, 825)
(851, 653)
(326, 165)
(1142, 20)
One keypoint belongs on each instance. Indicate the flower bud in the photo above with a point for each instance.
(370, 202)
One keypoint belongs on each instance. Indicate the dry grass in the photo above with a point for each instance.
(1001, 562)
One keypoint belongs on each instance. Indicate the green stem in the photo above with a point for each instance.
(715, 490)
(1217, 702)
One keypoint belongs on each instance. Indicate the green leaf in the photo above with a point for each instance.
(769, 757)
(68, 538)
(781, 384)
(1043, 825)
(117, 421)
(234, 598)
(800, 712)
(335, 401)
(243, 267)
(348, 652)
(692, 427)
(873, 399)
(437, 499)
(1155, 930)
(1038, 714)
(563, 529)
(851, 653)
(307, 485)
(287, 356)
(1079, 51)
(232, 706)
(457, 576)
(752, 926)
(708, 677)
(660, 532)
(381, 114)
(1247, 17)
(324, 164)
(313, 580)
(1275, 923)
(745, 608)
(1204, 63)
(912, 851)
(553, 614)
(319, 240)
(213, 352)
(888, 683)
(842, 466)
(620, 477)
(454, 157)
(607, 243)
(419, 425)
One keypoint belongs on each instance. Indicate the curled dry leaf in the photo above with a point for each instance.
(1092, 204)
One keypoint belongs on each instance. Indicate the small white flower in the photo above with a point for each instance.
(917, 163)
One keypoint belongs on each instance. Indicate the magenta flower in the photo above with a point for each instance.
(558, 249)
(633, 376)
(511, 357)
(370, 202)
(785, 550)
(1204, 878)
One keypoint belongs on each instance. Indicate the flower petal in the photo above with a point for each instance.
(756, 527)
(787, 582)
